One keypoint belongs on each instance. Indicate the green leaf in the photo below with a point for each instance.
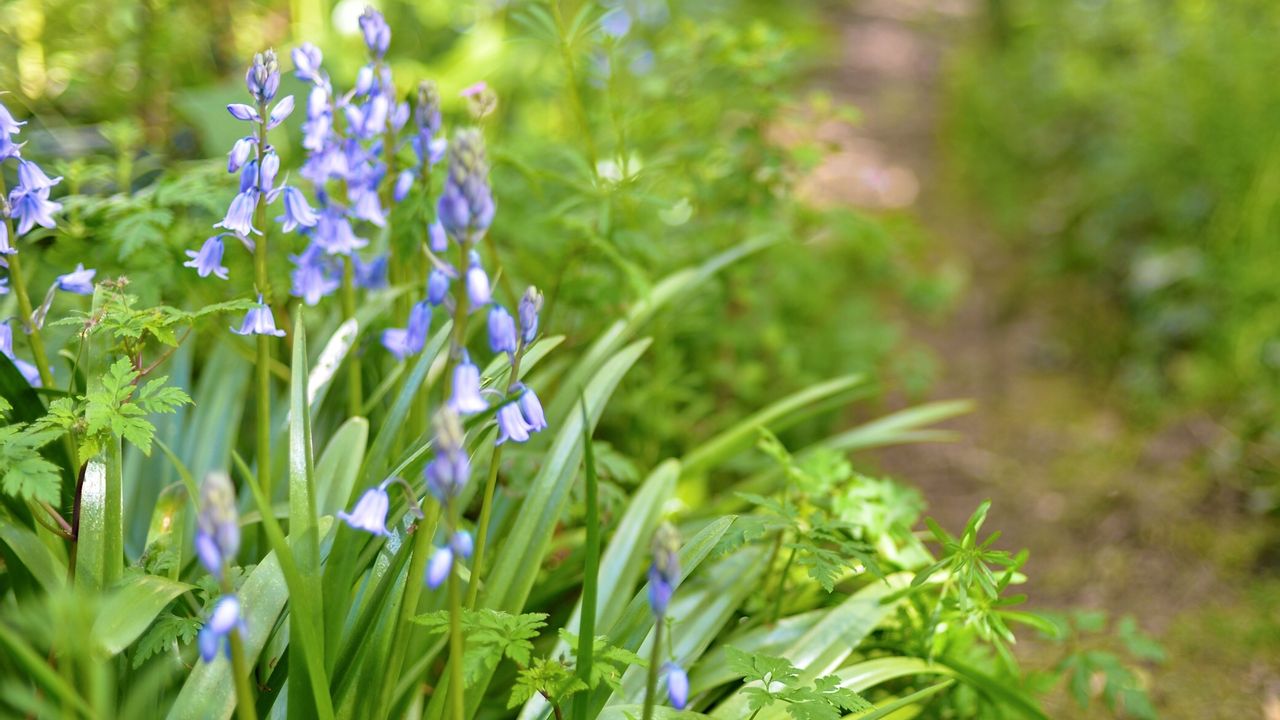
(165, 634)
(45, 564)
(339, 465)
(130, 609)
(914, 698)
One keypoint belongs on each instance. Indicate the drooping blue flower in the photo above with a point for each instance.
(263, 76)
(502, 330)
(370, 275)
(477, 283)
(365, 204)
(247, 113)
(224, 620)
(449, 470)
(31, 177)
(407, 341)
(31, 207)
(370, 512)
(297, 213)
(437, 238)
(306, 63)
(259, 321)
(239, 217)
(218, 525)
(466, 205)
(208, 259)
(29, 371)
(511, 424)
(461, 543)
(677, 685)
(466, 398)
(377, 34)
(78, 281)
(334, 234)
(531, 408)
(8, 148)
(437, 286)
(404, 183)
(270, 168)
(5, 247)
(8, 126)
(530, 305)
(313, 277)
(240, 153)
(369, 120)
(664, 573)
(439, 567)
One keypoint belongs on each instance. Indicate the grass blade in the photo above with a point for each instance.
(590, 571)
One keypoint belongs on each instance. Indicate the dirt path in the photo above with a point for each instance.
(1117, 518)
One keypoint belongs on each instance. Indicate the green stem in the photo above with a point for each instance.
(355, 392)
(263, 283)
(486, 505)
(651, 689)
(782, 587)
(590, 572)
(245, 709)
(457, 691)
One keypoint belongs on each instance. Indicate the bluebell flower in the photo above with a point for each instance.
(297, 213)
(263, 76)
(531, 408)
(306, 63)
(461, 543)
(5, 247)
(8, 148)
(404, 183)
(240, 111)
(426, 113)
(437, 238)
(280, 112)
(8, 126)
(664, 573)
(466, 398)
(466, 205)
(370, 512)
(371, 275)
(439, 567)
(259, 321)
(270, 168)
(31, 177)
(377, 34)
(407, 341)
(218, 525)
(312, 277)
(511, 424)
(502, 330)
(677, 685)
(616, 23)
(224, 620)
(364, 80)
(369, 120)
(449, 470)
(530, 305)
(208, 260)
(398, 115)
(365, 205)
(240, 153)
(31, 207)
(437, 286)
(29, 371)
(239, 217)
(477, 283)
(333, 233)
(78, 281)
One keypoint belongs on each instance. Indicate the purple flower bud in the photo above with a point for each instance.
(616, 23)
(78, 281)
(531, 408)
(240, 111)
(208, 260)
(511, 424)
(461, 544)
(404, 183)
(29, 371)
(377, 34)
(438, 239)
(240, 152)
(263, 76)
(259, 321)
(370, 512)
(477, 283)
(439, 567)
(296, 211)
(239, 217)
(306, 63)
(403, 342)
(280, 112)
(426, 114)
(398, 116)
(677, 685)
(466, 398)
(449, 471)
(437, 286)
(466, 205)
(371, 275)
(502, 330)
(218, 524)
(530, 304)
(270, 168)
(224, 620)
(664, 573)
(364, 80)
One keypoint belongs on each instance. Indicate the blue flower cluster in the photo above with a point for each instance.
(217, 541)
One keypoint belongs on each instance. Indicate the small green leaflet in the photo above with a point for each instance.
(24, 472)
(777, 678)
(609, 662)
(121, 408)
(168, 630)
(491, 635)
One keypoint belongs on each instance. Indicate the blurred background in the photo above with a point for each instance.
(1067, 211)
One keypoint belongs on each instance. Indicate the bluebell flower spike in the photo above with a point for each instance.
(664, 572)
(217, 537)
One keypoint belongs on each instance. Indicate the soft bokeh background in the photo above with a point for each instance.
(1066, 210)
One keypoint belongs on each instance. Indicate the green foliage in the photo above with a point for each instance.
(169, 633)
(491, 636)
(779, 681)
(24, 472)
